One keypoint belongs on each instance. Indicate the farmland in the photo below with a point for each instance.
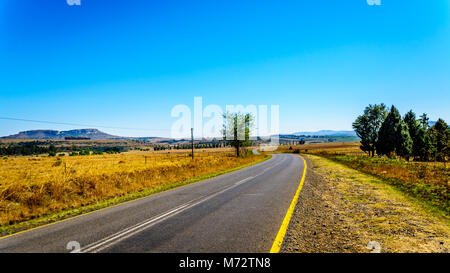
(427, 181)
(41, 186)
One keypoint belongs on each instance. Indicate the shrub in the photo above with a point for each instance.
(57, 163)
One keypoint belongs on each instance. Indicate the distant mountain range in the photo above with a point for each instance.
(53, 134)
(97, 134)
(326, 133)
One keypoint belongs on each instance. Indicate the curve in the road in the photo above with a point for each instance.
(237, 212)
(282, 232)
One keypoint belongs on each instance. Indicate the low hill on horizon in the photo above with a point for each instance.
(54, 134)
(326, 133)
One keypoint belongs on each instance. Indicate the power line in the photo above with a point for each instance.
(77, 124)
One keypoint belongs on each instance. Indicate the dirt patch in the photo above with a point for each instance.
(343, 210)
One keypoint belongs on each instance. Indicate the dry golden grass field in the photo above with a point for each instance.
(347, 148)
(35, 186)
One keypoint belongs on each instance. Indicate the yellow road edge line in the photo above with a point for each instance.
(282, 232)
(128, 201)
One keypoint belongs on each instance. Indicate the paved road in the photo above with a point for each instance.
(237, 212)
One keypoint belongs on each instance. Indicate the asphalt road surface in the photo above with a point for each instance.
(240, 211)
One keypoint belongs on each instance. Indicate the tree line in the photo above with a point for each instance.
(189, 146)
(36, 148)
(384, 132)
(28, 148)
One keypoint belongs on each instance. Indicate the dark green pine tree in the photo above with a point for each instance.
(413, 128)
(422, 145)
(394, 135)
(387, 141)
(424, 121)
(425, 148)
(440, 135)
(404, 145)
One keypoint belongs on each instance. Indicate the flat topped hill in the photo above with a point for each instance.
(54, 134)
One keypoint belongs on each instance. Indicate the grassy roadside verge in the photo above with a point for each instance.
(343, 209)
(70, 213)
(426, 182)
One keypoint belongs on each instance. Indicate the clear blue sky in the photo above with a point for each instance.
(120, 63)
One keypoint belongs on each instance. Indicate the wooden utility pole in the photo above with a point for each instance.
(192, 141)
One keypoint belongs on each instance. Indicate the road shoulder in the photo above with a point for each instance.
(343, 210)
